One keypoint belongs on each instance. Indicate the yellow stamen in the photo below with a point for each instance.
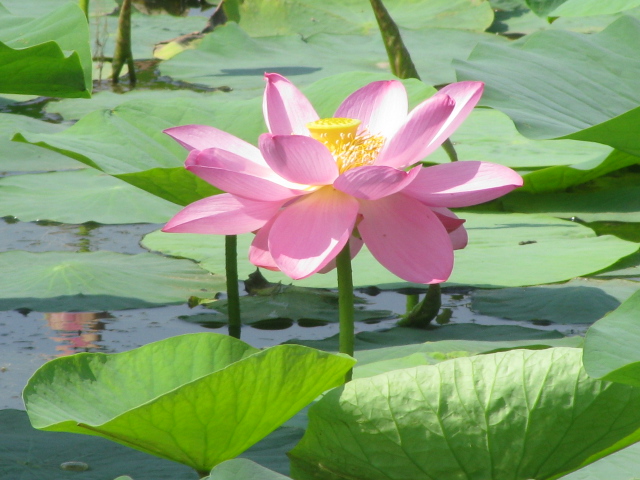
(341, 137)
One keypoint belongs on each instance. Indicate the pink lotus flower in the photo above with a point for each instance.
(314, 184)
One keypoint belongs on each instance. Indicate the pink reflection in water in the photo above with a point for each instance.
(78, 331)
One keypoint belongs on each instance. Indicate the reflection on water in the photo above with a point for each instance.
(77, 331)
(177, 8)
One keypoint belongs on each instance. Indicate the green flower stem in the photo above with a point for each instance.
(233, 294)
(401, 64)
(345, 304)
(412, 301)
(84, 5)
(122, 53)
(399, 58)
(451, 152)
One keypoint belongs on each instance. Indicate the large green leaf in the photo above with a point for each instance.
(79, 197)
(577, 301)
(490, 136)
(611, 345)
(503, 250)
(593, 111)
(237, 60)
(403, 336)
(197, 399)
(96, 281)
(32, 54)
(580, 8)
(20, 157)
(521, 414)
(27, 453)
(561, 177)
(306, 17)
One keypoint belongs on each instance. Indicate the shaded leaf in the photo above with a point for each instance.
(577, 301)
(611, 345)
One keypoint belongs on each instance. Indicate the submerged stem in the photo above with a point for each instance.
(345, 304)
(233, 293)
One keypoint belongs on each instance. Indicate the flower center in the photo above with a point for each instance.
(350, 149)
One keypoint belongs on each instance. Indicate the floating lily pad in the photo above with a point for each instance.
(503, 250)
(584, 8)
(305, 17)
(402, 336)
(32, 53)
(79, 197)
(622, 465)
(197, 399)
(96, 281)
(21, 157)
(307, 59)
(514, 74)
(611, 345)
(243, 469)
(577, 301)
(303, 305)
(518, 414)
(29, 453)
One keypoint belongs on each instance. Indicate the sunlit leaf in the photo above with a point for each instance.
(197, 399)
(520, 414)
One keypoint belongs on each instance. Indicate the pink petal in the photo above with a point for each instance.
(286, 109)
(414, 139)
(453, 225)
(461, 184)
(236, 175)
(372, 182)
(311, 231)
(407, 238)
(381, 106)
(223, 214)
(200, 137)
(299, 159)
(220, 158)
(244, 185)
(355, 245)
(259, 250)
(466, 96)
(449, 220)
(459, 238)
